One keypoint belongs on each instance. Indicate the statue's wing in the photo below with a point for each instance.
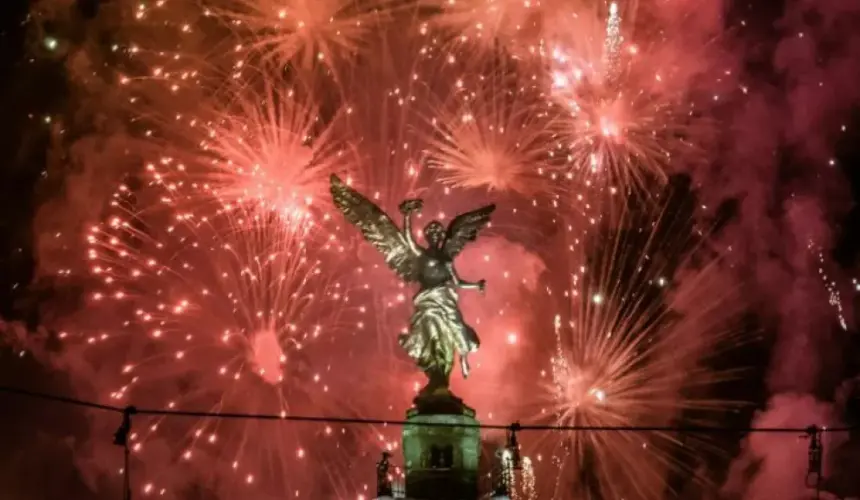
(377, 228)
(465, 228)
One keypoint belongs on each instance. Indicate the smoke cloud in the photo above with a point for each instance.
(775, 465)
(790, 193)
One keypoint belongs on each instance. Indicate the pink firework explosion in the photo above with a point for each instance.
(221, 310)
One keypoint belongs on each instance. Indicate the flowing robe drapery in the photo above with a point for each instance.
(437, 332)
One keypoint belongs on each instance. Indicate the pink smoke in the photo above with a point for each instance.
(780, 169)
(788, 205)
(775, 465)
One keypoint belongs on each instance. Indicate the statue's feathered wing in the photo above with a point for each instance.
(377, 228)
(465, 228)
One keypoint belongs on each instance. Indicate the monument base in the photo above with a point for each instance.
(441, 448)
(439, 401)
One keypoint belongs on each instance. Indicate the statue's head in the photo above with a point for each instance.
(434, 233)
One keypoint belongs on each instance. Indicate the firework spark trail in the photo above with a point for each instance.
(520, 483)
(613, 43)
(388, 93)
(169, 55)
(627, 116)
(646, 320)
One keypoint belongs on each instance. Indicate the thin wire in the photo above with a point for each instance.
(404, 423)
(59, 399)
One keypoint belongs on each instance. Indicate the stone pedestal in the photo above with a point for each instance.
(441, 460)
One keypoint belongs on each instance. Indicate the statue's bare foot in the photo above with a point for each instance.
(464, 365)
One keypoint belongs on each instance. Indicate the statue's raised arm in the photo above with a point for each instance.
(398, 247)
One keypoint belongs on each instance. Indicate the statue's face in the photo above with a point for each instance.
(434, 233)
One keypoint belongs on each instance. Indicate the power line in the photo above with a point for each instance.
(402, 423)
(121, 436)
(58, 399)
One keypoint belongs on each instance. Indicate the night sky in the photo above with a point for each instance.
(40, 438)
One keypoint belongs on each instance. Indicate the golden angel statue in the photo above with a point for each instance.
(437, 330)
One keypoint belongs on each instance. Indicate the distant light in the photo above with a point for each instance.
(597, 299)
(51, 43)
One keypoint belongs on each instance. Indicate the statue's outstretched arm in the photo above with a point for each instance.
(466, 285)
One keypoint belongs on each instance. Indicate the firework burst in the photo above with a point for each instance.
(492, 136)
(270, 146)
(483, 25)
(649, 314)
(217, 310)
(624, 114)
(303, 33)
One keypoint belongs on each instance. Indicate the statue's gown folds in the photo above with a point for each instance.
(437, 331)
